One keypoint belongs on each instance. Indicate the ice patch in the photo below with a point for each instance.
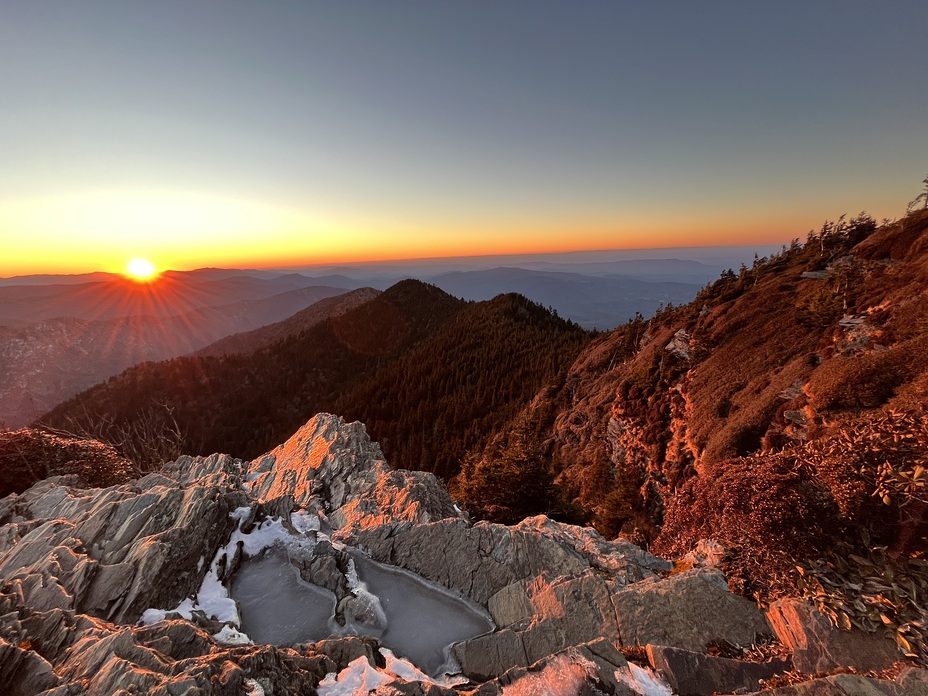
(213, 597)
(423, 619)
(277, 605)
(642, 681)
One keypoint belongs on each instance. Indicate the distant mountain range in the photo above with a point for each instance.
(45, 362)
(61, 334)
(431, 375)
(172, 295)
(594, 302)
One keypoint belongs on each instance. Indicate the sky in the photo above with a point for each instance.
(242, 133)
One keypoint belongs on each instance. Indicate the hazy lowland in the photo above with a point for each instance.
(617, 475)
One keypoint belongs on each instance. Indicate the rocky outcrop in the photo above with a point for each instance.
(333, 466)
(689, 610)
(818, 646)
(695, 674)
(79, 568)
(591, 668)
(113, 552)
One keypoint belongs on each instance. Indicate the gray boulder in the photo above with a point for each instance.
(588, 669)
(689, 610)
(694, 674)
(819, 646)
(479, 560)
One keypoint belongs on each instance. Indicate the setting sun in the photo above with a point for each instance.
(141, 269)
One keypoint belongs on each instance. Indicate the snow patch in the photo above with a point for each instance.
(642, 681)
(404, 669)
(357, 678)
(562, 676)
(304, 522)
(254, 688)
(230, 636)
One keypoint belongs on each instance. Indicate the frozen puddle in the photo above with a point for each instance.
(423, 620)
(277, 605)
(420, 620)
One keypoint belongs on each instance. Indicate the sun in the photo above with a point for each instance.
(141, 269)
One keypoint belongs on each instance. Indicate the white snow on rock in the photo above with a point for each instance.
(357, 678)
(562, 676)
(643, 681)
(213, 597)
(230, 636)
(360, 679)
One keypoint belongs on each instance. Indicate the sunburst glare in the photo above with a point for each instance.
(141, 269)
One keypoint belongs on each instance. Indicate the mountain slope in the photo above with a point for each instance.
(250, 341)
(466, 381)
(431, 375)
(240, 402)
(772, 413)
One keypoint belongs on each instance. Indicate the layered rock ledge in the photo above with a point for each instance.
(125, 589)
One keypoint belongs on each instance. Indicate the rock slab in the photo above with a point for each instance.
(694, 674)
(690, 611)
(819, 646)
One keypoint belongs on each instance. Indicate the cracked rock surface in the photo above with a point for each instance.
(80, 566)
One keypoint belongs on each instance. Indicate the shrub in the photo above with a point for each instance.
(766, 509)
(28, 456)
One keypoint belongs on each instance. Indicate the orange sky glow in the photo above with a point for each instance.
(293, 134)
(181, 231)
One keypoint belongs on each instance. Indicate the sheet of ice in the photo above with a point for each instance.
(418, 619)
(213, 597)
(642, 681)
(277, 605)
(423, 619)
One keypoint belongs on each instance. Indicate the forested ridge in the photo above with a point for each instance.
(783, 415)
(430, 375)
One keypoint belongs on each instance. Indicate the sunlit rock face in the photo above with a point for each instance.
(332, 465)
(317, 569)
